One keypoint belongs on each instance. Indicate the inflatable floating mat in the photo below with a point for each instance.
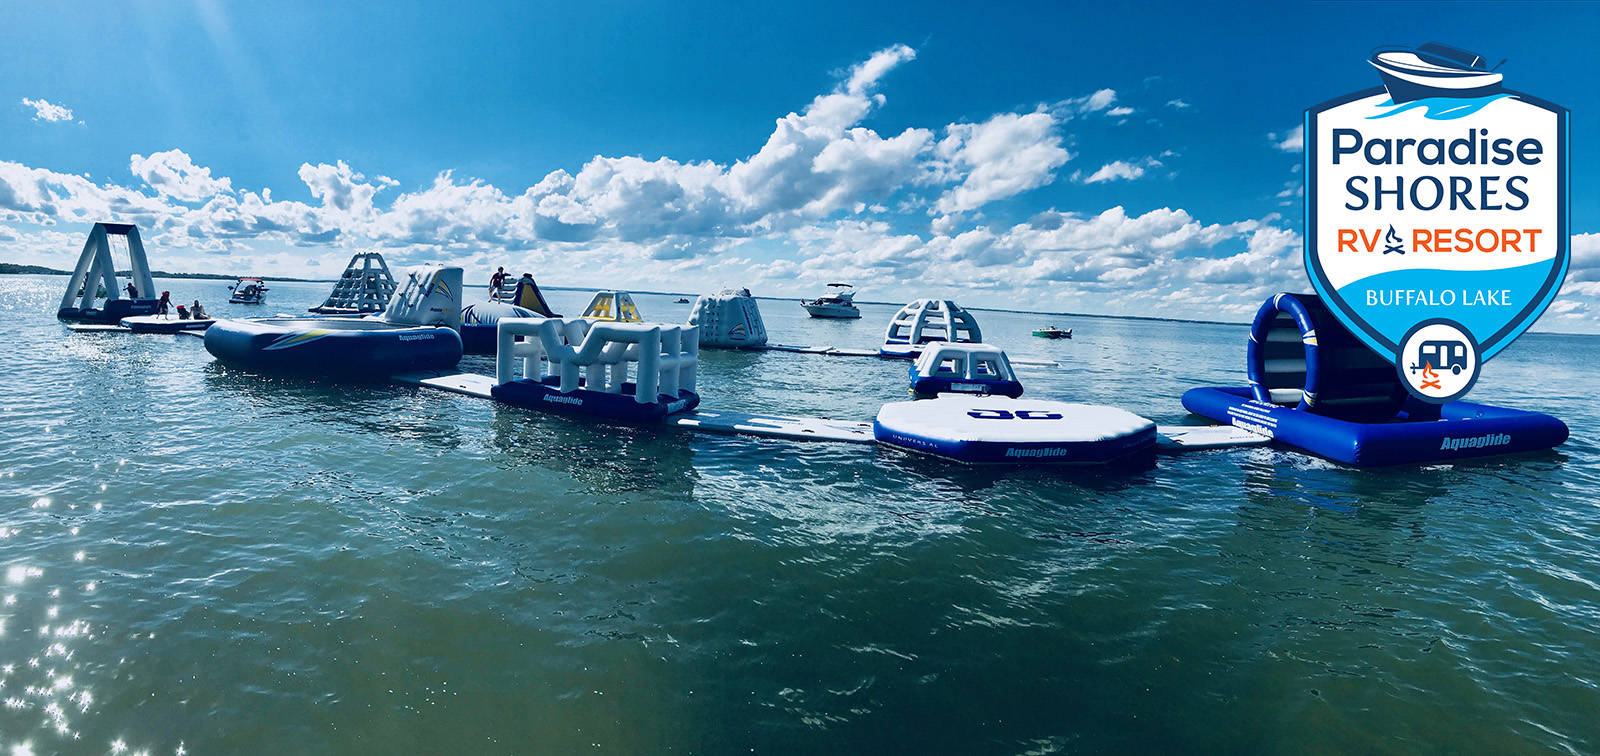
(1313, 385)
(163, 324)
(327, 345)
(991, 430)
(546, 395)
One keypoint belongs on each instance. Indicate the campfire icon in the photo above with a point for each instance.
(1392, 242)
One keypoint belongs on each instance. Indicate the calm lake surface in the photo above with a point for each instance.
(199, 559)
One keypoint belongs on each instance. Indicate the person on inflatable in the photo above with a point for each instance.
(495, 282)
(196, 312)
(133, 291)
(164, 304)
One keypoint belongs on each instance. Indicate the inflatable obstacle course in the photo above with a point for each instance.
(418, 331)
(480, 324)
(963, 368)
(363, 289)
(1314, 386)
(729, 319)
(95, 277)
(619, 371)
(928, 321)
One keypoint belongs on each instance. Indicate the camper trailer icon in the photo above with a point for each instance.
(1442, 355)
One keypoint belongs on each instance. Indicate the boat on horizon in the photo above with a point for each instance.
(839, 302)
(1434, 70)
(1052, 332)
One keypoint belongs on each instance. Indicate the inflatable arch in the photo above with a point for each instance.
(1312, 385)
(96, 270)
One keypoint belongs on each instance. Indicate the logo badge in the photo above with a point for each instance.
(1437, 213)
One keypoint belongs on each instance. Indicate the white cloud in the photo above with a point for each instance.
(173, 174)
(1093, 102)
(1120, 170)
(1293, 140)
(1178, 104)
(1119, 111)
(1003, 156)
(44, 110)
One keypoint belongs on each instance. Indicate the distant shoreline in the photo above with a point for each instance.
(14, 269)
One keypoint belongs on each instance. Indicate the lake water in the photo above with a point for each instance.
(199, 559)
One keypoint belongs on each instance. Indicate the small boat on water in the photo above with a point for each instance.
(248, 291)
(839, 302)
(1052, 332)
(165, 324)
(1434, 70)
(682, 300)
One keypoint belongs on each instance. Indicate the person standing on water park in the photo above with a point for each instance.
(164, 303)
(495, 282)
(133, 292)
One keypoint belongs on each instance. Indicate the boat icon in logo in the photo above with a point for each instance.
(1434, 70)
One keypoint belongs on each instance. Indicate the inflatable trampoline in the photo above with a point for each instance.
(417, 332)
(998, 430)
(1314, 386)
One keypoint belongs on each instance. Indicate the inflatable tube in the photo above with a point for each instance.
(1462, 430)
(162, 324)
(480, 321)
(994, 430)
(546, 395)
(333, 346)
(1300, 355)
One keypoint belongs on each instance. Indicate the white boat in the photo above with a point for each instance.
(1434, 70)
(839, 302)
(248, 291)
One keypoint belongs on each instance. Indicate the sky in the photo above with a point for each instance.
(1138, 159)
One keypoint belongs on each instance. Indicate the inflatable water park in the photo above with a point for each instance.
(1310, 385)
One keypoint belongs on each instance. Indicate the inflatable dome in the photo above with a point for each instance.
(729, 319)
(927, 321)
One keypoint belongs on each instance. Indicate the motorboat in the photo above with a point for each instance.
(1052, 332)
(248, 291)
(839, 302)
(1434, 70)
(165, 324)
(682, 300)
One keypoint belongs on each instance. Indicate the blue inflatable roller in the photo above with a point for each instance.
(1001, 430)
(1314, 386)
(480, 322)
(333, 345)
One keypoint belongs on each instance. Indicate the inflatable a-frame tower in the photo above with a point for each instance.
(96, 278)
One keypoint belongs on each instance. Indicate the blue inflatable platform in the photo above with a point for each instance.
(1314, 386)
(1001, 430)
(333, 346)
(546, 394)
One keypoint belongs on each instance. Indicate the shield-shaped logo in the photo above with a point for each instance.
(1440, 198)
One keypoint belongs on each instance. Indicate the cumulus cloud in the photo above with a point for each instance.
(174, 174)
(44, 110)
(1293, 140)
(1003, 156)
(1178, 104)
(1119, 111)
(1119, 170)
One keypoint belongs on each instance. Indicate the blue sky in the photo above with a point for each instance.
(1095, 157)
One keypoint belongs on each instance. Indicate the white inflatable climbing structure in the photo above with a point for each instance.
(95, 277)
(729, 319)
(926, 321)
(364, 288)
(620, 371)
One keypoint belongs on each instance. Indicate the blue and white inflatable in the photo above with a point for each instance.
(480, 322)
(416, 332)
(999, 430)
(1314, 386)
(634, 372)
(963, 369)
(729, 319)
(928, 321)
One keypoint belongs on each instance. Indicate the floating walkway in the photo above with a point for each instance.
(1169, 438)
(842, 352)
